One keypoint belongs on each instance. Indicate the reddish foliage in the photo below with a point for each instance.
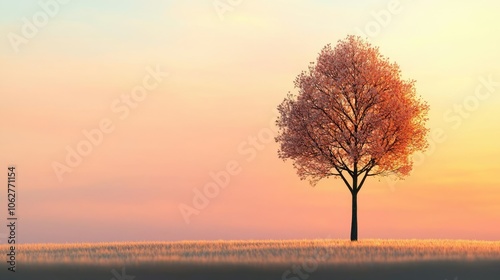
(353, 114)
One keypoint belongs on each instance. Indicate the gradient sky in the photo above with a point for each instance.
(227, 74)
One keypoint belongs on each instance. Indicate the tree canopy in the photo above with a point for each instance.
(353, 115)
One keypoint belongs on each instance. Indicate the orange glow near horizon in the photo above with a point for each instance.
(216, 107)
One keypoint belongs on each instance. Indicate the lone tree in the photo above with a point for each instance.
(353, 117)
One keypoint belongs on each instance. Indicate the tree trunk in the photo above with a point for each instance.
(354, 221)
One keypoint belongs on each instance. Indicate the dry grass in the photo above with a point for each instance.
(257, 252)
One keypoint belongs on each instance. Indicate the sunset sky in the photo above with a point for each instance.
(88, 64)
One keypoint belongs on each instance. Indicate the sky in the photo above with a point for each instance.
(120, 114)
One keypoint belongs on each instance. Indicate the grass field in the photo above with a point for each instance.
(272, 259)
